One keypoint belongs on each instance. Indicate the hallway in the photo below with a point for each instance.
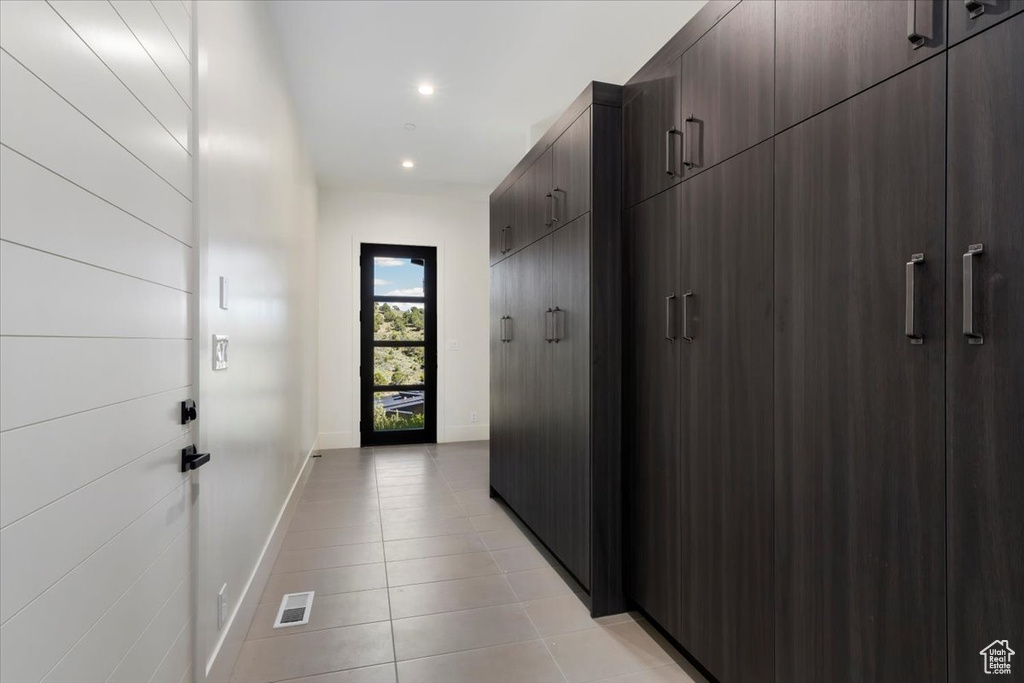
(419, 574)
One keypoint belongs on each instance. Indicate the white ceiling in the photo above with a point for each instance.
(499, 68)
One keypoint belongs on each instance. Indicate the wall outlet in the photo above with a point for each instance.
(472, 416)
(222, 606)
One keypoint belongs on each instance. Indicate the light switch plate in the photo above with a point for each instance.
(220, 352)
(223, 292)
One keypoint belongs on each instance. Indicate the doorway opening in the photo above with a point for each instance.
(398, 344)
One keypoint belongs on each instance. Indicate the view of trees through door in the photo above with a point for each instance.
(398, 358)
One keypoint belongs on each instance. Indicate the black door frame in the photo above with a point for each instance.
(367, 301)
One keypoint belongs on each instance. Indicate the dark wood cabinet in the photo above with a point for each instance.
(537, 201)
(727, 87)
(502, 430)
(859, 428)
(970, 17)
(651, 135)
(501, 220)
(727, 279)
(828, 51)
(555, 457)
(571, 172)
(653, 419)
(985, 347)
(569, 416)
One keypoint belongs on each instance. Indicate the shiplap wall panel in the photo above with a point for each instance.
(95, 656)
(48, 295)
(96, 275)
(36, 638)
(44, 462)
(35, 35)
(39, 124)
(40, 209)
(178, 22)
(43, 378)
(147, 652)
(78, 524)
(147, 25)
(177, 658)
(103, 30)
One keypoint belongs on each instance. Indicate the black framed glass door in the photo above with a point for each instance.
(398, 344)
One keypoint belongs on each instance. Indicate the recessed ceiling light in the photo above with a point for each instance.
(426, 89)
(410, 126)
(408, 163)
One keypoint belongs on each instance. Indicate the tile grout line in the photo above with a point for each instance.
(384, 553)
(502, 574)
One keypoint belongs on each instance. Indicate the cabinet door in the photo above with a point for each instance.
(970, 18)
(828, 51)
(859, 428)
(728, 83)
(571, 160)
(537, 200)
(531, 355)
(651, 421)
(499, 223)
(650, 136)
(500, 425)
(728, 211)
(568, 451)
(985, 382)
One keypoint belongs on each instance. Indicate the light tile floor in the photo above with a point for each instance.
(420, 577)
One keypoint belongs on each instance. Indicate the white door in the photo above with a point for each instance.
(96, 281)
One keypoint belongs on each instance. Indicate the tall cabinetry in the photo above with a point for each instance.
(555, 330)
(985, 346)
(823, 345)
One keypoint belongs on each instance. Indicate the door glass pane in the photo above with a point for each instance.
(397, 276)
(398, 365)
(398, 410)
(403, 321)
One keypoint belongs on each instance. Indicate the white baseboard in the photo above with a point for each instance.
(226, 653)
(328, 440)
(475, 432)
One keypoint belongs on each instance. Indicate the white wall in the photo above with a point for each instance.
(96, 281)
(257, 226)
(457, 224)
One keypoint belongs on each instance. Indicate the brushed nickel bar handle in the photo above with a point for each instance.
(910, 319)
(916, 39)
(670, 328)
(975, 8)
(686, 317)
(971, 331)
(669, 170)
(688, 162)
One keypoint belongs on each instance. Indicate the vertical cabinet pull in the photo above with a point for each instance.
(916, 39)
(557, 324)
(688, 161)
(686, 317)
(547, 326)
(670, 328)
(971, 330)
(549, 210)
(910, 319)
(501, 240)
(508, 239)
(975, 8)
(503, 329)
(554, 204)
(669, 168)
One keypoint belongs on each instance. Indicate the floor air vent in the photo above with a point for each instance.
(294, 610)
